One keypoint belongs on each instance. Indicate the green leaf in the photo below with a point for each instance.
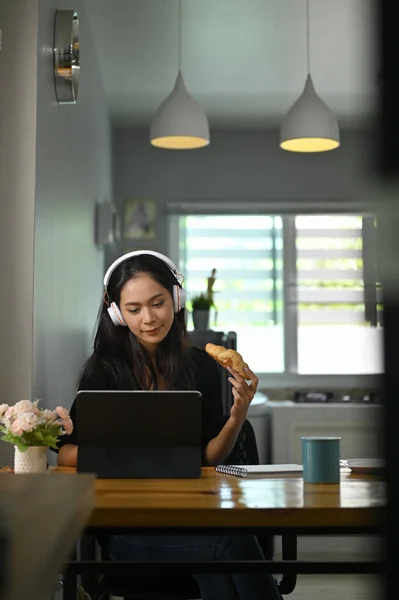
(21, 446)
(50, 440)
(54, 431)
(52, 445)
(38, 436)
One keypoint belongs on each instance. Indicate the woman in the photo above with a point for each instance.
(141, 343)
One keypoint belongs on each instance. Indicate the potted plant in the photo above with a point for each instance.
(32, 430)
(201, 306)
(202, 303)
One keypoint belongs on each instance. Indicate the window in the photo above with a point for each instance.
(333, 333)
(247, 254)
(300, 291)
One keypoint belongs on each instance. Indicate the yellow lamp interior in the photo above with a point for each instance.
(309, 145)
(179, 142)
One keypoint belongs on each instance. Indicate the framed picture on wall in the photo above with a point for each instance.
(139, 217)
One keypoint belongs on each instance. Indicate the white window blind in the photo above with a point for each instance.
(246, 251)
(337, 296)
(330, 286)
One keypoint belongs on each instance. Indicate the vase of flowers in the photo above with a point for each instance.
(31, 460)
(32, 430)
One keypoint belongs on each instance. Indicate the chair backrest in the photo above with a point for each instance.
(245, 451)
(199, 338)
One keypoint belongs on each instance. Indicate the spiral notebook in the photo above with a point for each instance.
(258, 470)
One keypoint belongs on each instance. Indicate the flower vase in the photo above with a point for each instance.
(33, 460)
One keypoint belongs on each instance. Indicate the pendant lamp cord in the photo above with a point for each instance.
(307, 38)
(179, 37)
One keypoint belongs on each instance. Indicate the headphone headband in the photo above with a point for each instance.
(121, 259)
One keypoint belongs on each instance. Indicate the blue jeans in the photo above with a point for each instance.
(258, 586)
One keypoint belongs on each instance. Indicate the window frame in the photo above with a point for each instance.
(290, 376)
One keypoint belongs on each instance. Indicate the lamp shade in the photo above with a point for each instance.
(179, 123)
(309, 125)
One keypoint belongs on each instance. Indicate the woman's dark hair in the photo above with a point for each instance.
(119, 358)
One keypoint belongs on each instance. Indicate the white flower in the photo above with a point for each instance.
(3, 409)
(9, 417)
(49, 416)
(62, 412)
(23, 406)
(15, 428)
(28, 421)
(67, 425)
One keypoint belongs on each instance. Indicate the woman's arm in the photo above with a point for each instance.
(68, 456)
(219, 447)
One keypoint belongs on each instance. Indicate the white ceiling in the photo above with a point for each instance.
(243, 60)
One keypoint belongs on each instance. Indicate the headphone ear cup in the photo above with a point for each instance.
(116, 315)
(182, 297)
(179, 298)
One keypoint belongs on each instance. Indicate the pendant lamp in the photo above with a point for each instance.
(179, 123)
(309, 125)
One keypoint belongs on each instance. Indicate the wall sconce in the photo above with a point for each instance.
(108, 229)
(66, 56)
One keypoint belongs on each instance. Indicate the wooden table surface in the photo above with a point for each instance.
(227, 501)
(43, 516)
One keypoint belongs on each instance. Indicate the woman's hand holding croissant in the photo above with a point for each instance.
(243, 394)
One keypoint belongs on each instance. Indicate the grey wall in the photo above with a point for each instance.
(238, 166)
(55, 163)
(18, 66)
(73, 172)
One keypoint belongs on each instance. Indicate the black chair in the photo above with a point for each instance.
(183, 587)
(199, 338)
(245, 451)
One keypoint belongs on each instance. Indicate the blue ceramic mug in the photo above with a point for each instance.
(320, 458)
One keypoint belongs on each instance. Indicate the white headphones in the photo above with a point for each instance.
(179, 295)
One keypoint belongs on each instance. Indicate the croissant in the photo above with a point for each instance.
(227, 358)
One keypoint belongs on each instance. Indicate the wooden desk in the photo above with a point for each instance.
(231, 505)
(44, 517)
(224, 501)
